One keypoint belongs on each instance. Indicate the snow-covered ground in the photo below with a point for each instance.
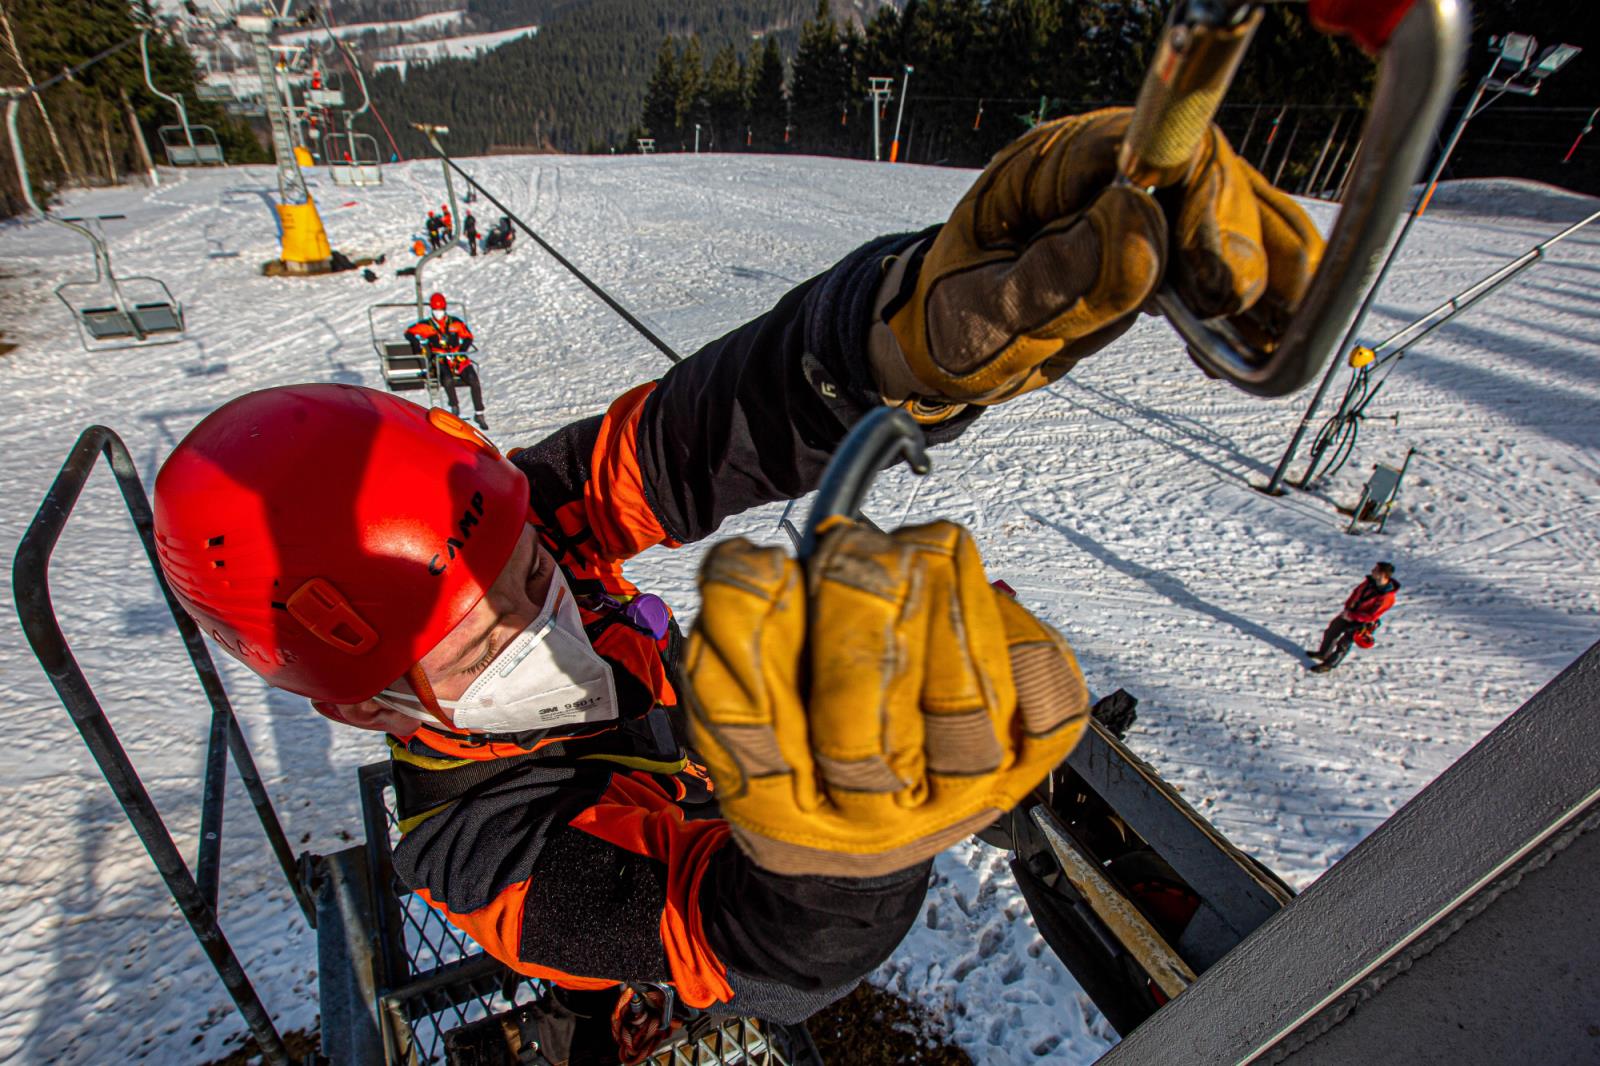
(433, 23)
(1118, 503)
(402, 56)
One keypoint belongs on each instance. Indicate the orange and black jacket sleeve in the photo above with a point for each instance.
(586, 877)
(750, 418)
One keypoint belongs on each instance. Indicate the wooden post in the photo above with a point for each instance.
(105, 144)
(138, 140)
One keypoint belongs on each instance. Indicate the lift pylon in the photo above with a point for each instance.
(304, 240)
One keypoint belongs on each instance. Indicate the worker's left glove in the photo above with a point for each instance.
(1047, 259)
(899, 707)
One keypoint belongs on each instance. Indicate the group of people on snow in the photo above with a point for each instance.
(440, 231)
(747, 816)
(440, 227)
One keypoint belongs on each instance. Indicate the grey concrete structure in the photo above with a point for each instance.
(1462, 931)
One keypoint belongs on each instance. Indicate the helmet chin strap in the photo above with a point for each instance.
(420, 685)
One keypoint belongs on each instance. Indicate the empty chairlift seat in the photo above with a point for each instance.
(403, 370)
(109, 322)
(199, 147)
(105, 323)
(121, 312)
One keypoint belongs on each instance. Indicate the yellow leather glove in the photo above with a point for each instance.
(901, 706)
(1047, 260)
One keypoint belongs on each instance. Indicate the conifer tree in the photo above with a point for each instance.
(821, 87)
(691, 89)
(725, 100)
(769, 107)
(661, 95)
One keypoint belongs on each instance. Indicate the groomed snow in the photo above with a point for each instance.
(1117, 503)
(463, 47)
(434, 22)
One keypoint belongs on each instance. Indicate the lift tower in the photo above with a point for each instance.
(305, 248)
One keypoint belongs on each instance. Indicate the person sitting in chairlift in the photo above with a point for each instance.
(447, 340)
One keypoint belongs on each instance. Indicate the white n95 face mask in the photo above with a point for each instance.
(549, 675)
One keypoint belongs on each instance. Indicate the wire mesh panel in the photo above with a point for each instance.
(434, 977)
(434, 980)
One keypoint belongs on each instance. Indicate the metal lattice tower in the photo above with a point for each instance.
(291, 183)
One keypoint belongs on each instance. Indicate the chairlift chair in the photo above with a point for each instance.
(198, 147)
(186, 144)
(329, 96)
(353, 159)
(404, 370)
(111, 312)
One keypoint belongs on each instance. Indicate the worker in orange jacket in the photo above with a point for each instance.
(447, 339)
(748, 819)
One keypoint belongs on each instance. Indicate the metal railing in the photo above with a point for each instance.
(195, 891)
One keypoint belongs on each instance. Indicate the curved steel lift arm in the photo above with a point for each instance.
(1196, 59)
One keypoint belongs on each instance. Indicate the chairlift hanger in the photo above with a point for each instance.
(109, 312)
(198, 145)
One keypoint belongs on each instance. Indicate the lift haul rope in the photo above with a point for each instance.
(339, 46)
(72, 72)
(644, 331)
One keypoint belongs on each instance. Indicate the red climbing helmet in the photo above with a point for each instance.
(438, 302)
(329, 536)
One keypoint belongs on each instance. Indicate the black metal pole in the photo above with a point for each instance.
(30, 583)
(644, 331)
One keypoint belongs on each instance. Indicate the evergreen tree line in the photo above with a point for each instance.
(735, 101)
(984, 71)
(81, 131)
(578, 85)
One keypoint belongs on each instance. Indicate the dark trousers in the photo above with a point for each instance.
(472, 244)
(1336, 640)
(469, 378)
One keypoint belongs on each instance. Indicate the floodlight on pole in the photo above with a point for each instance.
(1515, 50)
(894, 145)
(1553, 59)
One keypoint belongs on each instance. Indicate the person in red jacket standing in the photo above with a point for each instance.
(1354, 624)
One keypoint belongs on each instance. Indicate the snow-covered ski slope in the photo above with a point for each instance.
(1117, 503)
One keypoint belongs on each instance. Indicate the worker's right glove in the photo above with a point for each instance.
(899, 707)
(1047, 259)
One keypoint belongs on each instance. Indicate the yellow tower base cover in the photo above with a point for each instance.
(305, 242)
(302, 156)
